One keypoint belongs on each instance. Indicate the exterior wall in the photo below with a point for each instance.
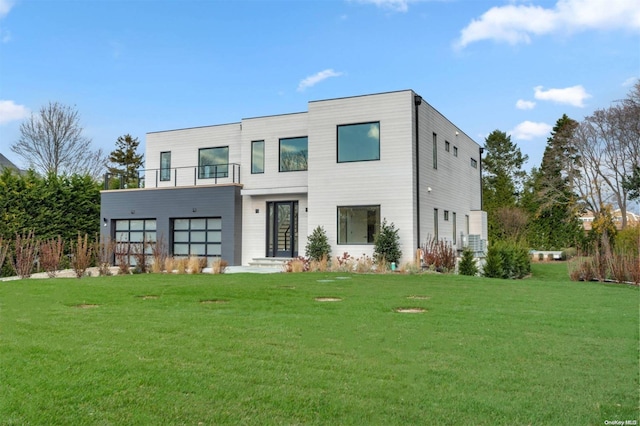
(271, 130)
(455, 186)
(165, 204)
(184, 145)
(386, 182)
(254, 228)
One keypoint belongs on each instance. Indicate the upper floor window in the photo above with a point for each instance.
(359, 142)
(165, 166)
(294, 154)
(257, 157)
(447, 146)
(474, 163)
(213, 162)
(435, 151)
(455, 151)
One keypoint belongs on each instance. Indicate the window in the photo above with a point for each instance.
(165, 166)
(293, 154)
(358, 142)
(435, 224)
(257, 157)
(455, 151)
(358, 224)
(474, 163)
(447, 146)
(466, 224)
(446, 215)
(197, 237)
(130, 235)
(455, 228)
(213, 162)
(435, 151)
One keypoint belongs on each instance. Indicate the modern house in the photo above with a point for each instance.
(257, 188)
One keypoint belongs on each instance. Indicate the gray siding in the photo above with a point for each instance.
(165, 204)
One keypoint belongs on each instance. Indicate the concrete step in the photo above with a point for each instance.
(269, 262)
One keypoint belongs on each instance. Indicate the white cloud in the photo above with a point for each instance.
(528, 130)
(630, 81)
(396, 5)
(522, 104)
(9, 111)
(312, 80)
(515, 24)
(5, 7)
(574, 95)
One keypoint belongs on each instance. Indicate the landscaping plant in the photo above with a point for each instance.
(25, 254)
(387, 244)
(467, 265)
(51, 253)
(318, 245)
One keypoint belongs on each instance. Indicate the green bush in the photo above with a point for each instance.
(467, 265)
(387, 243)
(318, 245)
(507, 261)
(493, 263)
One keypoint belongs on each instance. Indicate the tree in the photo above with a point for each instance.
(51, 141)
(553, 202)
(502, 179)
(125, 159)
(318, 245)
(608, 142)
(387, 243)
(632, 184)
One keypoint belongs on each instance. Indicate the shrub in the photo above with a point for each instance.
(4, 249)
(104, 248)
(169, 264)
(219, 266)
(181, 265)
(81, 256)
(387, 243)
(467, 265)
(26, 250)
(122, 257)
(51, 252)
(439, 255)
(195, 265)
(493, 263)
(343, 263)
(364, 264)
(160, 255)
(321, 265)
(297, 264)
(318, 245)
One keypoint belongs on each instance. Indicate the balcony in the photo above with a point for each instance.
(175, 177)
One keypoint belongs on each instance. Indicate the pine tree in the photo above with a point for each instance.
(318, 245)
(125, 159)
(387, 243)
(467, 265)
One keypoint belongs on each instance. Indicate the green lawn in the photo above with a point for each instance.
(543, 350)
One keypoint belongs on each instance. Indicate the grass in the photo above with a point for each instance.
(262, 351)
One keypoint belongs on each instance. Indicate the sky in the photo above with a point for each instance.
(139, 66)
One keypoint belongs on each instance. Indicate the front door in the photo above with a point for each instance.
(282, 229)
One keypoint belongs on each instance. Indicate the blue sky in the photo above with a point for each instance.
(142, 66)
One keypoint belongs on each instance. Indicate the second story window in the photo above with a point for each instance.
(213, 162)
(294, 154)
(257, 157)
(165, 166)
(359, 142)
(435, 151)
(474, 163)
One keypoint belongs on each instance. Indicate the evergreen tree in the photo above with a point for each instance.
(125, 160)
(556, 223)
(502, 178)
(387, 243)
(467, 265)
(318, 244)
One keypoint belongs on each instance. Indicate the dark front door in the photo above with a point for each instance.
(282, 229)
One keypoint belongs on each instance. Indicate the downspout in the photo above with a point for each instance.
(417, 100)
(481, 198)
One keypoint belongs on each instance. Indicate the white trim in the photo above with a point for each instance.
(274, 191)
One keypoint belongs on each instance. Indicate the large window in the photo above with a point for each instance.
(358, 224)
(257, 157)
(213, 162)
(165, 166)
(133, 236)
(358, 142)
(293, 154)
(197, 237)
